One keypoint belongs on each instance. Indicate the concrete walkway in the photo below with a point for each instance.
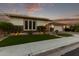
(37, 47)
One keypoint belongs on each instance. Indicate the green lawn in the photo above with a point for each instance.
(20, 39)
(64, 34)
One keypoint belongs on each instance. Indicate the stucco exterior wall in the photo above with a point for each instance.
(16, 21)
(42, 23)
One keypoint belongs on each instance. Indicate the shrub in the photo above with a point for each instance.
(51, 29)
(75, 28)
(56, 31)
(7, 27)
(72, 28)
(18, 29)
(67, 29)
(41, 29)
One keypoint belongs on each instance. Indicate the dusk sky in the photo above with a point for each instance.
(51, 10)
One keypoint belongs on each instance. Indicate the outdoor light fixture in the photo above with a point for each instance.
(52, 26)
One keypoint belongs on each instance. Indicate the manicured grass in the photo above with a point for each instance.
(64, 34)
(20, 39)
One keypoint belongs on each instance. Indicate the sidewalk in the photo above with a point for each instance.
(37, 47)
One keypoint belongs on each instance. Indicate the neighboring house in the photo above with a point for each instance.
(56, 26)
(60, 24)
(70, 21)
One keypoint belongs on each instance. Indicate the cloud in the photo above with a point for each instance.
(77, 15)
(32, 7)
(13, 11)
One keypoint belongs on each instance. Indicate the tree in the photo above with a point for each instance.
(76, 27)
(72, 28)
(6, 27)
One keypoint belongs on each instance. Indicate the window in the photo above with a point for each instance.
(30, 25)
(26, 24)
(34, 23)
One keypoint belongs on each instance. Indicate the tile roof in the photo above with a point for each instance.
(27, 17)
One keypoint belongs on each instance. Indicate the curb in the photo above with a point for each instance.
(54, 50)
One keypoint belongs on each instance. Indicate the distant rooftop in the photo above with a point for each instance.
(67, 21)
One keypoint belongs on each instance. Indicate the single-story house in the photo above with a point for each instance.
(28, 23)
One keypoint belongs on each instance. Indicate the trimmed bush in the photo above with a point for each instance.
(7, 27)
(41, 29)
(18, 29)
(56, 31)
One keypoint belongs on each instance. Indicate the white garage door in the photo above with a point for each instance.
(59, 28)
